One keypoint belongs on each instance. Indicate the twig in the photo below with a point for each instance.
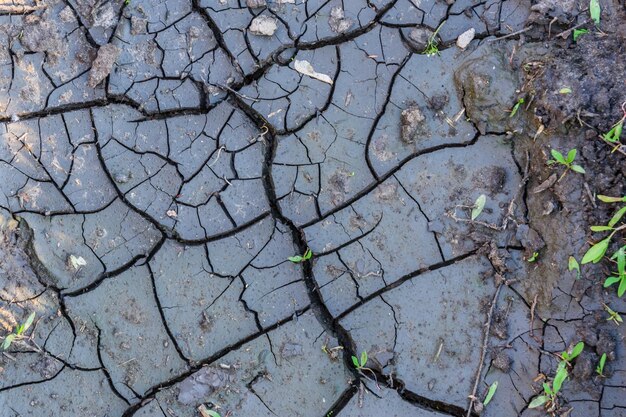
(566, 32)
(483, 351)
(532, 315)
(510, 35)
(227, 88)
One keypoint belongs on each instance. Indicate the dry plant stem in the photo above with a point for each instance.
(510, 35)
(532, 316)
(483, 351)
(566, 32)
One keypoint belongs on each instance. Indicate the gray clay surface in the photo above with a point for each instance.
(160, 161)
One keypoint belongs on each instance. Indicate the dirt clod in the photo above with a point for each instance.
(103, 64)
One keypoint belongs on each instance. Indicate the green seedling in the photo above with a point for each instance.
(600, 367)
(301, 258)
(360, 364)
(516, 107)
(572, 264)
(620, 277)
(492, 390)
(614, 316)
(578, 33)
(615, 133)
(533, 258)
(567, 162)
(565, 90)
(596, 252)
(432, 47)
(207, 412)
(595, 11)
(19, 332)
(549, 399)
(478, 207)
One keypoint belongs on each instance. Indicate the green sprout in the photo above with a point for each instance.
(19, 332)
(432, 47)
(595, 11)
(516, 107)
(549, 399)
(572, 264)
(614, 316)
(479, 205)
(600, 367)
(360, 364)
(615, 133)
(492, 390)
(207, 412)
(533, 258)
(578, 33)
(620, 276)
(597, 251)
(567, 162)
(301, 258)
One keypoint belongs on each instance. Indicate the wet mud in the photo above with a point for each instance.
(161, 161)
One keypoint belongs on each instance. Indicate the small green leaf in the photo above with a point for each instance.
(571, 155)
(479, 205)
(610, 281)
(577, 168)
(295, 259)
(594, 11)
(492, 390)
(29, 321)
(307, 255)
(617, 217)
(578, 33)
(8, 340)
(558, 156)
(596, 252)
(355, 362)
(547, 389)
(601, 228)
(572, 264)
(565, 90)
(622, 287)
(538, 401)
(607, 199)
(534, 257)
(600, 368)
(577, 350)
(363, 358)
(560, 377)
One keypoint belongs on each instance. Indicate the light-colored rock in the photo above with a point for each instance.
(263, 26)
(465, 38)
(103, 64)
(255, 4)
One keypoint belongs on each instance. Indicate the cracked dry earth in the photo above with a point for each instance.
(160, 160)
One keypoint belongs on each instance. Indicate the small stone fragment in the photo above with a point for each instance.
(502, 362)
(411, 124)
(102, 65)
(465, 38)
(77, 262)
(255, 4)
(305, 68)
(138, 26)
(338, 22)
(263, 26)
(419, 37)
(172, 214)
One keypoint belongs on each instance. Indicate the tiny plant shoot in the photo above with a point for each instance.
(597, 251)
(492, 390)
(19, 332)
(301, 258)
(567, 162)
(516, 107)
(479, 205)
(572, 264)
(595, 11)
(533, 258)
(578, 33)
(360, 364)
(614, 316)
(600, 367)
(432, 47)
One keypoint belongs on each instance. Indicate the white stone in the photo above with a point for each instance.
(465, 38)
(263, 26)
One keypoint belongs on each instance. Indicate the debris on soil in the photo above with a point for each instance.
(412, 124)
(204, 383)
(263, 25)
(103, 64)
(40, 35)
(465, 38)
(419, 37)
(338, 22)
(305, 68)
(255, 4)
